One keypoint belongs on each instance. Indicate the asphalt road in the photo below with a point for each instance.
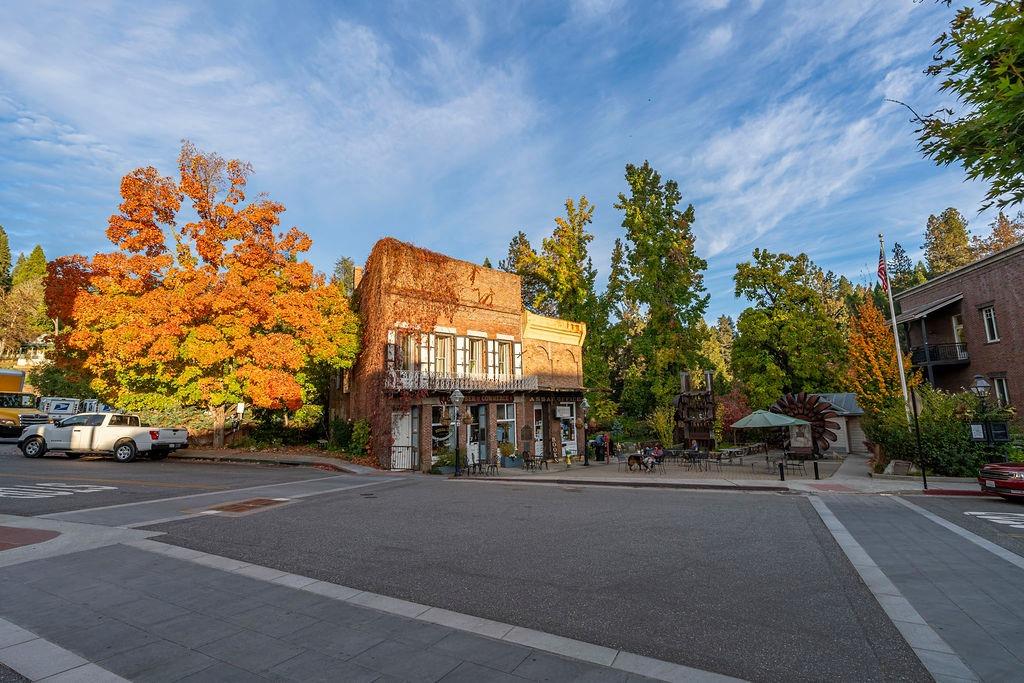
(96, 482)
(956, 509)
(750, 585)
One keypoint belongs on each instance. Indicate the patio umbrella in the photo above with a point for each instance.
(763, 418)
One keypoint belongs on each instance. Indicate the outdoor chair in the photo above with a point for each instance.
(621, 459)
(491, 467)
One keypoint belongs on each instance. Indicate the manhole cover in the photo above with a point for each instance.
(248, 505)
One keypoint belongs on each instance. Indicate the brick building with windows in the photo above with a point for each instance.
(432, 324)
(970, 321)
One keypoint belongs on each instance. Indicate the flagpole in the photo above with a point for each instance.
(895, 332)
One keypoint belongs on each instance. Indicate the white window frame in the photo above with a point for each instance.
(509, 422)
(1001, 390)
(988, 315)
(444, 363)
(476, 363)
(504, 358)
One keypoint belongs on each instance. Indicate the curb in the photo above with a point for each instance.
(292, 462)
(958, 492)
(917, 477)
(630, 484)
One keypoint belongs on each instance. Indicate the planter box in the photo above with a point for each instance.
(511, 462)
(447, 469)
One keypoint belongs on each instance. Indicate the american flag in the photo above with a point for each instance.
(883, 272)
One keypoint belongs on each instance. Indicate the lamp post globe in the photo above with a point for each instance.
(585, 409)
(456, 399)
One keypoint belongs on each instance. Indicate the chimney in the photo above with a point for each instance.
(357, 277)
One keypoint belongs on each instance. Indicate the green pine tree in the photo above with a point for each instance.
(31, 268)
(5, 260)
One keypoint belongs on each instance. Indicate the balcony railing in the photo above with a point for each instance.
(939, 354)
(419, 380)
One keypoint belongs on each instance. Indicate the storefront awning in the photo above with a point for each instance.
(918, 312)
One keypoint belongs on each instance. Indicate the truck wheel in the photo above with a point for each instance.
(125, 450)
(34, 447)
(72, 456)
(158, 453)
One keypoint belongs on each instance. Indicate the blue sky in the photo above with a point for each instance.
(455, 124)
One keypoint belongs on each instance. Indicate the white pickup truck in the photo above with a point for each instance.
(124, 436)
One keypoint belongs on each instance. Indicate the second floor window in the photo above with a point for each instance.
(410, 352)
(444, 355)
(504, 358)
(991, 329)
(475, 357)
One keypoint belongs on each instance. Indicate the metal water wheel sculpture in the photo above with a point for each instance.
(817, 411)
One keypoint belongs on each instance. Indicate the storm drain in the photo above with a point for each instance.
(244, 506)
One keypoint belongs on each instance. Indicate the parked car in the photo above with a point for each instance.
(122, 436)
(1005, 479)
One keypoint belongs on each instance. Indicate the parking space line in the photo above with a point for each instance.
(935, 653)
(994, 548)
(137, 503)
(130, 482)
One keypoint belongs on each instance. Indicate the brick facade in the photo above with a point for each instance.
(993, 282)
(431, 324)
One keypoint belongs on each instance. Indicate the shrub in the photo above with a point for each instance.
(946, 444)
(341, 434)
(360, 438)
(662, 421)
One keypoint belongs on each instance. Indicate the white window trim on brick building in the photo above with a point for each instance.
(988, 314)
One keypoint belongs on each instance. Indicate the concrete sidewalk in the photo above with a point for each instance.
(147, 611)
(852, 476)
(957, 598)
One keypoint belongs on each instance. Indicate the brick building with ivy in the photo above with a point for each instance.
(432, 324)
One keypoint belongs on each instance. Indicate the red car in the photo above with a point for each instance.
(1004, 479)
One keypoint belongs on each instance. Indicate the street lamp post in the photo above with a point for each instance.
(456, 399)
(585, 408)
(980, 388)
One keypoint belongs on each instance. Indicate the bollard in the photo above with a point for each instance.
(782, 471)
(816, 475)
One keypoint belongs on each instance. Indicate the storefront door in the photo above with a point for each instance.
(538, 430)
(566, 413)
(476, 436)
(402, 454)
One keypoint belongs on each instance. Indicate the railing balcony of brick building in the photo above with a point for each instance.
(939, 354)
(422, 380)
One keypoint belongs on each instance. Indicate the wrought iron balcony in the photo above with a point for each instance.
(939, 354)
(421, 380)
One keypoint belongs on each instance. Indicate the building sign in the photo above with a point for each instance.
(563, 412)
(472, 399)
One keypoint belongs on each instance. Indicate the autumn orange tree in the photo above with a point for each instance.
(216, 309)
(873, 371)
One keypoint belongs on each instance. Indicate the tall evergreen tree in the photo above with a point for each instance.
(946, 242)
(5, 260)
(666, 279)
(520, 260)
(344, 275)
(900, 267)
(1004, 233)
(31, 268)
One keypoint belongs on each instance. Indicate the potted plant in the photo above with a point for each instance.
(509, 458)
(445, 462)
